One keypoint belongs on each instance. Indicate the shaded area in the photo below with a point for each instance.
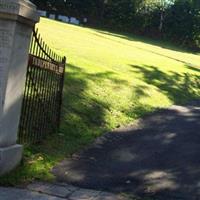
(158, 157)
(85, 112)
(22, 194)
(194, 68)
(84, 109)
(41, 105)
(178, 87)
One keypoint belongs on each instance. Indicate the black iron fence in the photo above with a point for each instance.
(42, 101)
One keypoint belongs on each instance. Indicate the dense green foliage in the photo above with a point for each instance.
(174, 20)
(177, 21)
(182, 23)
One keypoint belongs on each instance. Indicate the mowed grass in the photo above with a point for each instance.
(111, 80)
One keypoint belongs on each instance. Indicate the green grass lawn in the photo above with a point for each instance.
(111, 80)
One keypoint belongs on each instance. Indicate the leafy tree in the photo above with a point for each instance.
(177, 20)
(183, 23)
(120, 13)
(158, 7)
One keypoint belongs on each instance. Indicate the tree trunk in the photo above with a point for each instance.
(161, 21)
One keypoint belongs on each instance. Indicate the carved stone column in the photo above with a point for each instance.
(17, 19)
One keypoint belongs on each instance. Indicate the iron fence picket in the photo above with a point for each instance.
(41, 108)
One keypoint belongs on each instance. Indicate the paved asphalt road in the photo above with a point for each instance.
(158, 157)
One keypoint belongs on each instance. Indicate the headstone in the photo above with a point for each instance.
(73, 20)
(42, 13)
(60, 17)
(66, 19)
(17, 18)
(77, 22)
(63, 18)
(52, 16)
(85, 20)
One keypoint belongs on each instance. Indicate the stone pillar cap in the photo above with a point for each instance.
(20, 10)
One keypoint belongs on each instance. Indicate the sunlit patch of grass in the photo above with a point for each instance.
(111, 80)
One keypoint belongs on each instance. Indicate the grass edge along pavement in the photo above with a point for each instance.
(58, 191)
(111, 81)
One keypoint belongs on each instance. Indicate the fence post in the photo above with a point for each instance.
(61, 90)
(17, 19)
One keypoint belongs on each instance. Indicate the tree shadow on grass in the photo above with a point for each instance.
(158, 157)
(86, 113)
(179, 88)
(193, 68)
(83, 113)
(83, 119)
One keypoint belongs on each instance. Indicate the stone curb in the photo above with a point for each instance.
(65, 191)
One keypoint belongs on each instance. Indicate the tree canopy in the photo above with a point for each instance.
(176, 20)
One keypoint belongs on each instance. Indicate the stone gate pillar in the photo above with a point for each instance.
(17, 19)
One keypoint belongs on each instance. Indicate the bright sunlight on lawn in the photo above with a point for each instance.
(111, 80)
